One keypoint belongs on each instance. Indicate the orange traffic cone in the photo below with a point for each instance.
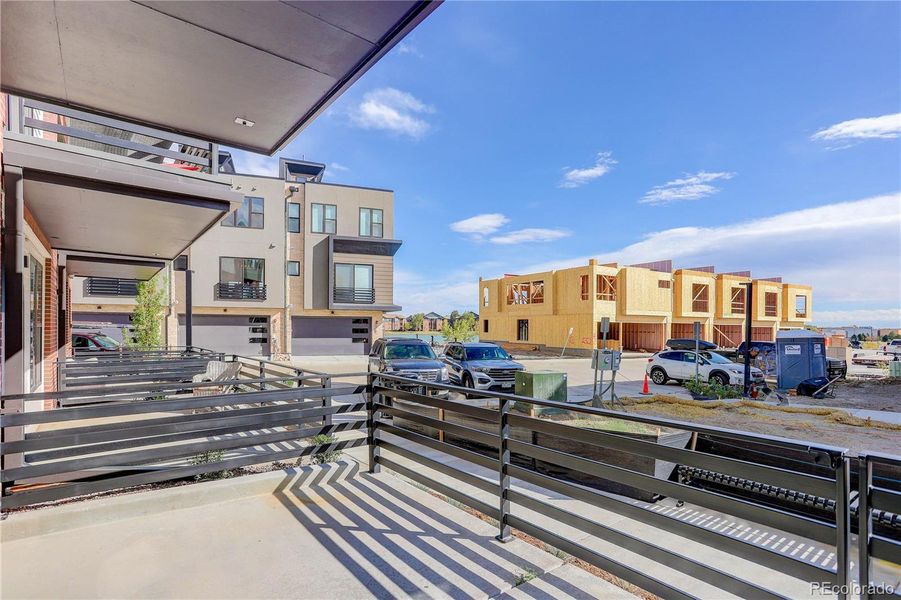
(644, 390)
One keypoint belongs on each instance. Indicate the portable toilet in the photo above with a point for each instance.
(800, 355)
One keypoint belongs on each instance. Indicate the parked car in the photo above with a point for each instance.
(481, 366)
(90, 341)
(407, 357)
(893, 347)
(679, 365)
(855, 344)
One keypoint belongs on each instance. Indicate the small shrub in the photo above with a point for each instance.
(712, 389)
(208, 457)
(328, 456)
(525, 577)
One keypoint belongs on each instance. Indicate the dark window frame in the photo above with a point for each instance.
(522, 325)
(244, 269)
(322, 227)
(231, 219)
(293, 220)
(484, 325)
(381, 224)
(289, 265)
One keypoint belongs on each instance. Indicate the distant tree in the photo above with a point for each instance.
(147, 318)
(455, 314)
(416, 321)
(462, 329)
(474, 316)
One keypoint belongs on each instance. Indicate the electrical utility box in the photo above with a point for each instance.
(606, 360)
(544, 385)
(800, 355)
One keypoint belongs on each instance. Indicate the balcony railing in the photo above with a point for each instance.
(81, 129)
(106, 286)
(346, 295)
(240, 291)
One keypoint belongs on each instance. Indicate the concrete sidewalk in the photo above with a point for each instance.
(317, 532)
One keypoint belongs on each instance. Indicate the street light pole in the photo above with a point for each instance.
(749, 308)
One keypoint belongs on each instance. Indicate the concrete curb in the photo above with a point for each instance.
(86, 512)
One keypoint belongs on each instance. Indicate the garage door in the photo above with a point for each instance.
(233, 334)
(762, 334)
(110, 324)
(642, 336)
(686, 331)
(728, 336)
(318, 336)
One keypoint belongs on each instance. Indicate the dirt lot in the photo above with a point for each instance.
(868, 394)
(825, 424)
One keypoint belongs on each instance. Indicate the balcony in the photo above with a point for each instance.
(754, 529)
(347, 295)
(106, 286)
(226, 290)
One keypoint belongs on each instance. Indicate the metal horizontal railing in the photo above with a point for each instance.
(560, 458)
(240, 291)
(104, 286)
(871, 545)
(81, 129)
(347, 295)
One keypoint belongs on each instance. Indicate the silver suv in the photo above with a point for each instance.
(481, 366)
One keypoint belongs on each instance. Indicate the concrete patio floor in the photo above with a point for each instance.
(316, 532)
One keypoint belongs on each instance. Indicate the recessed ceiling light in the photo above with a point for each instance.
(244, 122)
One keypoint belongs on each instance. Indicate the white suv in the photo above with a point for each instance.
(893, 347)
(680, 366)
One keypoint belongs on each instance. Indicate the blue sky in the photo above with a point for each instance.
(523, 136)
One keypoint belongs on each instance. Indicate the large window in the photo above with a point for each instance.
(700, 297)
(606, 287)
(248, 271)
(250, 215)
(800, 306)
(738, 300)
(371, 222)
(528, 292)
(36, 322)
(771, 304)
(293, 217)
(354, 284)
(324, 218)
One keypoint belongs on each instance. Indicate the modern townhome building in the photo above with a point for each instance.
(646, 304)
(110, 167)
(302, 267)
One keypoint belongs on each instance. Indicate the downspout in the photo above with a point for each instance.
(20, 223)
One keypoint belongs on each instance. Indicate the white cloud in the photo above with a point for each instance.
(441, 291)
(338, 167)
(884, 127)
(573, 178)
(529, 235)
(690, 187)
(480, 224)
(876, 317)
(408, 48)
(255, 164)
(392, 110)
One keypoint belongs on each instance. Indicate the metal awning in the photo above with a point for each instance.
(103, 204)
(113, 267)
(195, 67)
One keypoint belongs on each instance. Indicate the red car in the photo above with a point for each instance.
(94, 342)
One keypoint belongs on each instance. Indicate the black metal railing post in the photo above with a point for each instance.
(503, 409)
(865, 482)
(327, 400)
(842, 524)
(372, 433)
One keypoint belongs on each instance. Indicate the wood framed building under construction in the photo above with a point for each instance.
(646, 304)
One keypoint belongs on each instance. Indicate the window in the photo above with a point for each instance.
(293, 217)
(606, 287)
(771, 304)
(36, 322)
(738, 300)
(250, 215)
(522, 330)
(247, 271)
(800, 306)
(529, 292)
(371, 222)
(485, 326)
(293, 268)
(663, 284)
(354, 284)
(583, 287)
(700, 297)
(325, 218)
(484, 296)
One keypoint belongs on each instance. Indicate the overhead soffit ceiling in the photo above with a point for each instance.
(87, 265)
(193, 67)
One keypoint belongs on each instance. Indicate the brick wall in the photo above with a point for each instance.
(51, 333)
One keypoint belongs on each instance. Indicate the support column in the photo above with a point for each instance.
(12, 380)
